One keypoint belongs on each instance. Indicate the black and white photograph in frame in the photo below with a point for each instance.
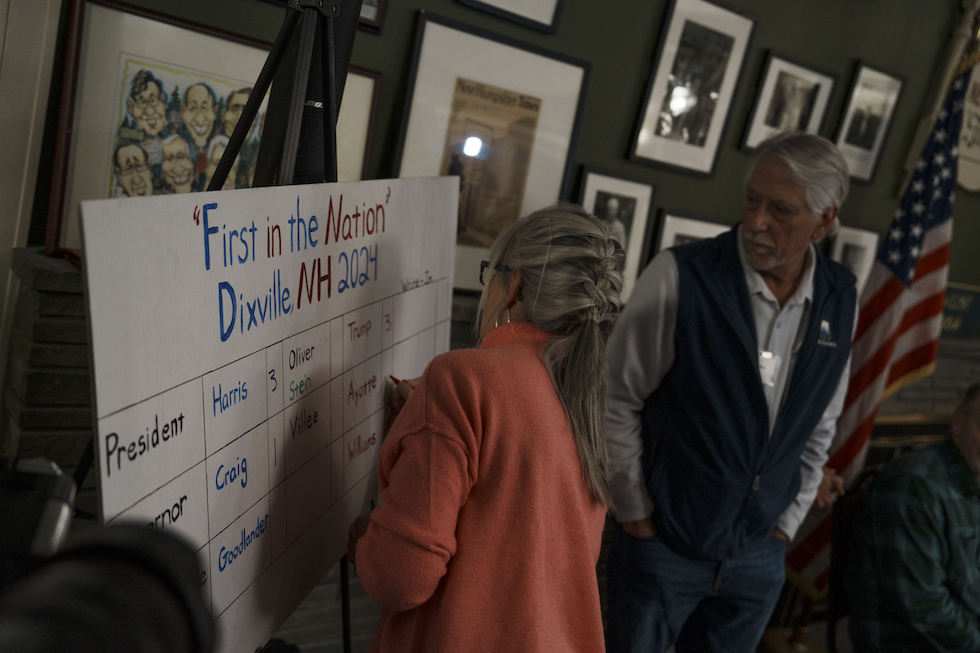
(856, 250)
(626, 205)
(791, 97)
(501, 115)
(676, 230)
(373, 15)
(541, 15)
(870, 106)
(689, 95)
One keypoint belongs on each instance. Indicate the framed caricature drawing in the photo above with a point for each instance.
(155, 103)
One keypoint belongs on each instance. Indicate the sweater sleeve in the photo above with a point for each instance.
(641, 351)
(412, 534)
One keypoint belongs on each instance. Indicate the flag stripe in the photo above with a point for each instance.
(880, 275)
(854, 443)
(870, 312)
(911, 377)
(933, 261)
(864, 349)
(869, 371)
(913, 361)
(918, 335)
(927, 308)
(801, 554)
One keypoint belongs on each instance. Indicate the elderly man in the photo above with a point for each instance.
(728, 370)
(914, 578)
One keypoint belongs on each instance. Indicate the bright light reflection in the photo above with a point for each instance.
(681, 100)
(472, 146)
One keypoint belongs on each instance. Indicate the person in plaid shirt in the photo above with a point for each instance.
(914, 579)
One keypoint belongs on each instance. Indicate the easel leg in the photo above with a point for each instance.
(345, 602)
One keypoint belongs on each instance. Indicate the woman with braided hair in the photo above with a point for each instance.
(494, 476)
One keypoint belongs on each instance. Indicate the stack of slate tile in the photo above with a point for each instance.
(46, 404)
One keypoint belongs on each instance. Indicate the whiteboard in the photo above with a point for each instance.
(242, 344)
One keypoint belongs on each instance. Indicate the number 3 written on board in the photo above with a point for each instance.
(272, 376)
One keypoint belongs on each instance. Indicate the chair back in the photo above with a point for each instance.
(841, 538)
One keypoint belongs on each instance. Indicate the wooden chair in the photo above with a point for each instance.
(842, 534)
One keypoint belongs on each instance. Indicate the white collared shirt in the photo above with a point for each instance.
(777, 327)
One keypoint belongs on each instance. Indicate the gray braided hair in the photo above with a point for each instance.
(571, 277)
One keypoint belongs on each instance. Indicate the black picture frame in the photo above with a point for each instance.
(805, 92)
(703, 103)
(635, 199)
(675, 229)
(451, 57)
(498, 8)
(867, 118)
(856, 249)
(372, 14)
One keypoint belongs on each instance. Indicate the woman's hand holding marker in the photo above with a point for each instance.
(403, 390)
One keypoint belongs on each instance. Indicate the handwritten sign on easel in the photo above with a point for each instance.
(240, 344)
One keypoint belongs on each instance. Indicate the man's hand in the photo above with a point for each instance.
(831, 487)
(780, 535)
(641, 528)
(356, 532)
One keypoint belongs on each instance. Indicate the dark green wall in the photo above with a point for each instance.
(905, 37)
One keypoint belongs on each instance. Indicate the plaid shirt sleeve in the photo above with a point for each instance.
(905, 549)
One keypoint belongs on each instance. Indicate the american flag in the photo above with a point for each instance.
(899, 323)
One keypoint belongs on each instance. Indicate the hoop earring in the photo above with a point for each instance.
(496, 321)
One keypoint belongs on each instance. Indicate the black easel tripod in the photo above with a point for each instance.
(299, 139)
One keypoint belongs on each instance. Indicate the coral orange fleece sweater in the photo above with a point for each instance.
(486, 537)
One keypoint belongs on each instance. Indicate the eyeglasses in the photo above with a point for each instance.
(133, 170)
(499, 267)
(152, 101)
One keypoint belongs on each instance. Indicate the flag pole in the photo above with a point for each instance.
(961, 38)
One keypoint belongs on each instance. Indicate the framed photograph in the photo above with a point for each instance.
(155, 102)
(499, 114)
(856, 250)
(372, 14)
(355, 123)
(791, 97)
(690, 91)
(626, 205)
(870, 107)
(541, 15)
(676, 230)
